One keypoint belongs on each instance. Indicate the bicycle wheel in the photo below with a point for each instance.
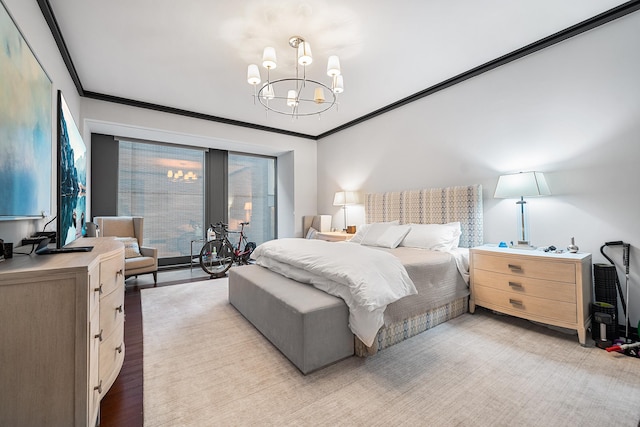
(216, 258)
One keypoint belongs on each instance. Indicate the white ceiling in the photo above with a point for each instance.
(193, 55)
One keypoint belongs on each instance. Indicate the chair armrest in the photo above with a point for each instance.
(147, 251)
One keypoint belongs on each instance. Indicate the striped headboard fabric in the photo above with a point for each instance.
(431, 206)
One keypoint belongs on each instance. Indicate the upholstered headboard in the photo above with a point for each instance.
(431, 206)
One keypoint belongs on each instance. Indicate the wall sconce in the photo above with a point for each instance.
(344, 199)
(521, 185)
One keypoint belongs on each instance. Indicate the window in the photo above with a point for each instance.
(252, 195)
(165, 185)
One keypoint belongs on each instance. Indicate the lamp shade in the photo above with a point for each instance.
(292, 101)
(304, 54)
(523, 184)
(333, 66)
(338, 87)
(269, 58)
(344, 198)
(318, 95)
(253, 74)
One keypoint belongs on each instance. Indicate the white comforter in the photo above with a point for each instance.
(366, 279)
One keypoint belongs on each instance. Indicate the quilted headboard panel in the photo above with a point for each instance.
(432, 206)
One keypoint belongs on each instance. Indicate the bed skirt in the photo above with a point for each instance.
(401, 330)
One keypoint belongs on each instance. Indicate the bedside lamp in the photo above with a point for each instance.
(521, 185)
(344, 199)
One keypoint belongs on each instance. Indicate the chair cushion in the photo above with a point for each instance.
(138, 262)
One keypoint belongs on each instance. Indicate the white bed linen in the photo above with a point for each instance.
(366, 279)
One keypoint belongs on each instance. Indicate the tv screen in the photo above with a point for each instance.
(72, 177)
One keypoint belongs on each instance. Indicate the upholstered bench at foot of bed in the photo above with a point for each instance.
(307, 325)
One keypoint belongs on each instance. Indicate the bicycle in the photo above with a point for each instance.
(218, 255)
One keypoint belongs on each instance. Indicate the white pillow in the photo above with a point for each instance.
(360, 233)
(311, 234)
(131, 247)
(385, 235)
(436, 237)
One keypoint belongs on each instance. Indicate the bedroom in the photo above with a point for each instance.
(570, 110)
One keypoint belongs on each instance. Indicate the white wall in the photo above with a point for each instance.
(29, 19)
(571, 111)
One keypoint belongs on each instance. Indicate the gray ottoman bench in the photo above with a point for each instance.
(307, 325)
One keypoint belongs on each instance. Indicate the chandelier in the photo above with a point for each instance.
(304, 97)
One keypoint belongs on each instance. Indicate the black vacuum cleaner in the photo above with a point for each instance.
(607, 291)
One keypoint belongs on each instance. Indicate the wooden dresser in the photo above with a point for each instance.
(545, 287)
(61, 334)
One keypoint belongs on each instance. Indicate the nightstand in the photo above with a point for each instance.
(544, 287)
(333, 236)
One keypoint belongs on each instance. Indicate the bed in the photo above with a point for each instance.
(412, 316)
(441, 289)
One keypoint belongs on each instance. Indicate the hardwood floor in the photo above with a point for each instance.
(122, 406)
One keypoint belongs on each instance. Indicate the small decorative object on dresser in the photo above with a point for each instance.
(545, 287)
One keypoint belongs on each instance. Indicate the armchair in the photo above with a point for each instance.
(146, 261)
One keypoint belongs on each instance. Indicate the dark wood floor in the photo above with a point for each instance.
(122, 406)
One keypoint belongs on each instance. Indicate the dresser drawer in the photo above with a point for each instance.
(111, 356)
(521, 285)
(112, 273)
(525, 305)
(111, 311)
(527, 267)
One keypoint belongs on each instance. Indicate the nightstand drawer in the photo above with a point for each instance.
(524, 305)
(527, 267)
(519, 285)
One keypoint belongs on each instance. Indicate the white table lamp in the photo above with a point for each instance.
(521, 185)
(344, 199)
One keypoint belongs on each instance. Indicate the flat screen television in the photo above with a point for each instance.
(72, 178)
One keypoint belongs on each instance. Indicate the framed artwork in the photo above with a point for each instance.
(25, 127)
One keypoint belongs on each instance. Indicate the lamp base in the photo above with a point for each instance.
(523, 244)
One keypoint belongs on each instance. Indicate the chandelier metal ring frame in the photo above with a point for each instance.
(321, 107)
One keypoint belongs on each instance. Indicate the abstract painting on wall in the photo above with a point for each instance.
(25, 127)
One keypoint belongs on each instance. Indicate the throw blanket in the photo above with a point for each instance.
(366, 279)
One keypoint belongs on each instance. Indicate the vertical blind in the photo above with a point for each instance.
(165, 185)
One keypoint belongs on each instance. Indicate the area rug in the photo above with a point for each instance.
(206, 365)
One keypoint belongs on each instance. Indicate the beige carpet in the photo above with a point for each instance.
(205, 365)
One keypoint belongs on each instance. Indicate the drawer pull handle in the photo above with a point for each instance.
(99, 336)
(99, 387)
(98, 289)
(119, 308)
(515, 267)
(119, 348)
(515, 285)
(515, 302)
(119, 273)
